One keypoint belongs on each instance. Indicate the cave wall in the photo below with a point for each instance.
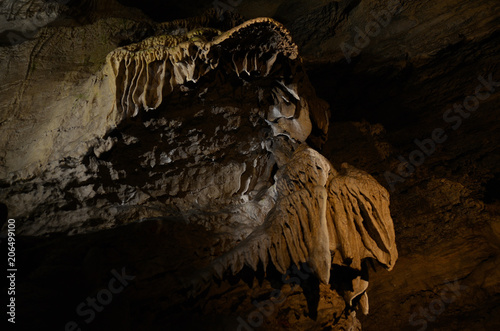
(395, 88)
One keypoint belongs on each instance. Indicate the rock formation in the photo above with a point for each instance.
(195, 155)
(210, 127)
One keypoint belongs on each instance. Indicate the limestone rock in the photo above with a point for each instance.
(207, 129)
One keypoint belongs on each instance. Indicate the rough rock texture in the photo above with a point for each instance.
(395, 87)
(209, 129)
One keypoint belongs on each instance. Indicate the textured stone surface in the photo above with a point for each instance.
(394, 91)
(208, 128)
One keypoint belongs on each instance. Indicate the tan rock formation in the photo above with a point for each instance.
(210, 129)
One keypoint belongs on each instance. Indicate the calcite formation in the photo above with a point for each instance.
(217, 129)
(313, 213)
(69, 178)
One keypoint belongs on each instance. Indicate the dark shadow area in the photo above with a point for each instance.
(492, 189)
(4, 214)
(402, 92)
(70, 279)
(311, 292)
(341, 278)
(162, 11)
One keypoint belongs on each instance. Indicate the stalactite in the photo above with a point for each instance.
(320, 215)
